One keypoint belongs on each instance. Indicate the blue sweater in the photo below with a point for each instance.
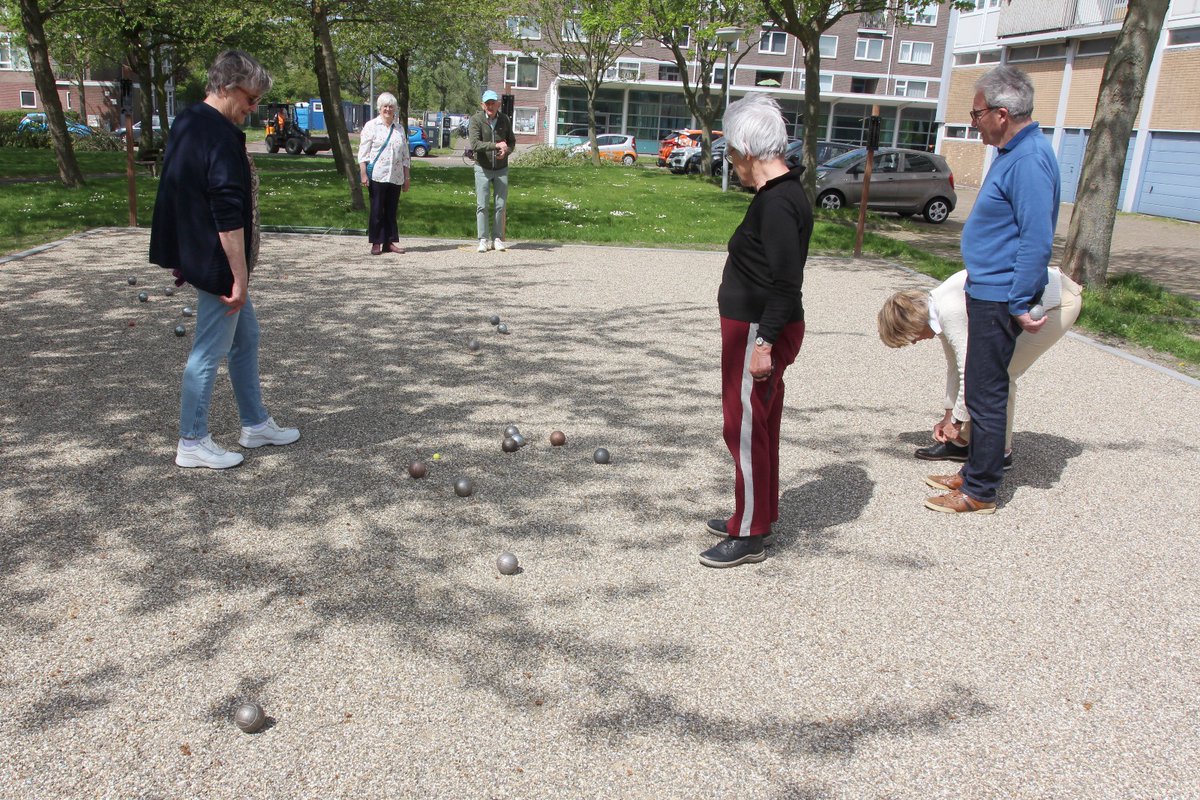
(1007, 241)
(204, 190)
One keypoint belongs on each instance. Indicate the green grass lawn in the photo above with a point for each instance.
(608, 205)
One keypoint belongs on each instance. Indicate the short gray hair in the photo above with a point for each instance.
(754, 127)
(386, 99)
(234, 69)
(1007, 87)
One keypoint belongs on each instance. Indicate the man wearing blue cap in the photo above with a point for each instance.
(490, 135)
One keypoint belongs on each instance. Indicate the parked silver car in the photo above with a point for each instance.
(904, 181)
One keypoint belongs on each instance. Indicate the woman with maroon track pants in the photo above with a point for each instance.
(762, 323)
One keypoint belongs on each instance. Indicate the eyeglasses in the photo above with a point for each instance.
(252, 98)
(977, 113)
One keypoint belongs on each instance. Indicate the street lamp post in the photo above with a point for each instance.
(728, 37)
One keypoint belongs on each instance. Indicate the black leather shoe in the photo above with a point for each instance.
(734, 550)
(943, 451)
(719, 527)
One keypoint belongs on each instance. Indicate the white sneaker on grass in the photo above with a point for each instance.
(483, 245)
(267, 433)
(500, 245)
(205, 453)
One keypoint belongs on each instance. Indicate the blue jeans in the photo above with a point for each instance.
(218, 336)
(496, 179)
(991, 339)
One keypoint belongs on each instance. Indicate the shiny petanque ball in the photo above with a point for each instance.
(602, 456)
(187, 311)
(250, 717)
(170, 290)
(180, 330)
(558, 438)
(502, 328)
(511, 430)
(463, 487)
(519, 439)
(495, 319)
(143, 297)
(509, 445)
(507, 564)
(473, 345)
(417, 469)
(133, 280)
(1037, 312)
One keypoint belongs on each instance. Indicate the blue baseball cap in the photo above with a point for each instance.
(490, 95)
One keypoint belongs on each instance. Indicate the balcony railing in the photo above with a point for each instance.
(876, 21)
(1020, 17)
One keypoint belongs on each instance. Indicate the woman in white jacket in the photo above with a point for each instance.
(383, 165)
(913, 316)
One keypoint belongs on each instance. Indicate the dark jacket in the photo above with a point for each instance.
(205, 189)
(482, 139)
(764, 273)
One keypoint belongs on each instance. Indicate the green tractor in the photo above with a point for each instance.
(284, 132)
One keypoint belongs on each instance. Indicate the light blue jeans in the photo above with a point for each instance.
(484, 179)
(216, 337)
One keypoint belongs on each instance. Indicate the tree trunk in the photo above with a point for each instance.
(1089, 237)
(33, 19)
(592, 90)
(402, 92)
(325, 64)
(812, 111)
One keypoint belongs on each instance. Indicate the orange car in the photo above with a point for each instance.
(688, 137)
(612, 146)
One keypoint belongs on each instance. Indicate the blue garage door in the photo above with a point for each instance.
(1070, 163)
(1171, 186)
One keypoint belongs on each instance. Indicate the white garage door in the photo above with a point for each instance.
(1171, 186)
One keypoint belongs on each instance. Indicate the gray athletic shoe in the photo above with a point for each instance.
(205, 453)
(267, 433)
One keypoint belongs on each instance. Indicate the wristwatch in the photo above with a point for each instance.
(761, 342)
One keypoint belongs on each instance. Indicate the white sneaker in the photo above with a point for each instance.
(500, 245)
(206, 453)
(483, 245)
(267, 433)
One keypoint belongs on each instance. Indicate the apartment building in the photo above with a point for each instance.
(1063, 46)
(897, 63)
(97, 105)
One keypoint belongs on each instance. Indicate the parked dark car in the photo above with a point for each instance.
(904, 181)
(137, 133)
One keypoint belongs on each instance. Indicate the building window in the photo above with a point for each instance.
(1096, 47)
(825, 81)
(868, 50)
(829, 46)
(521, 71)
(765, 77)
(1180, 37)
(773, 41)
(524, 28)
(864, 85)
(718, 78)
(525, 120)
(964, 132)
(572, 31)
(669, 72)
(1035, 52)
(28, 99)
(916, 52)
(922, 15)
(680, 36)
(980, 5)
(912, 88)
(624, 71)
(68, 101)
(12, 56)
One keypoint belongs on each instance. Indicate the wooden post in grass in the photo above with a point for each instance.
(872, 143)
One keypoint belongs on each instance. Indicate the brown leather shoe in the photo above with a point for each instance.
(394, 248)
(958, 503)
(947, 482)
(376, 248)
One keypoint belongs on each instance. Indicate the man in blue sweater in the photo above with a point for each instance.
(1006, 245)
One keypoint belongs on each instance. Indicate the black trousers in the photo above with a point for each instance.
(385, 199)
(991, 338)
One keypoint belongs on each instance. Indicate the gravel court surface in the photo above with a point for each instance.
(882, 650)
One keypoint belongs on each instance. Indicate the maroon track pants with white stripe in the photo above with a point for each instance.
(753, 411)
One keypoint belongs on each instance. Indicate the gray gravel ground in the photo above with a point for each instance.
(882, 650)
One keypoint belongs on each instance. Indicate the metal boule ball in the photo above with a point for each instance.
(511, 430)
(473, 345)
(502, 327)
(1037, 312)
(602, 455)
(417, 469)
(250, 717)
(507, 564)
(519, 439)
(143, 297)
(133, 280)
(558, 438)
(170, 290)
(509, 445)
(180, 330)
(463, 487)
(187, 311)
(494, 319)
